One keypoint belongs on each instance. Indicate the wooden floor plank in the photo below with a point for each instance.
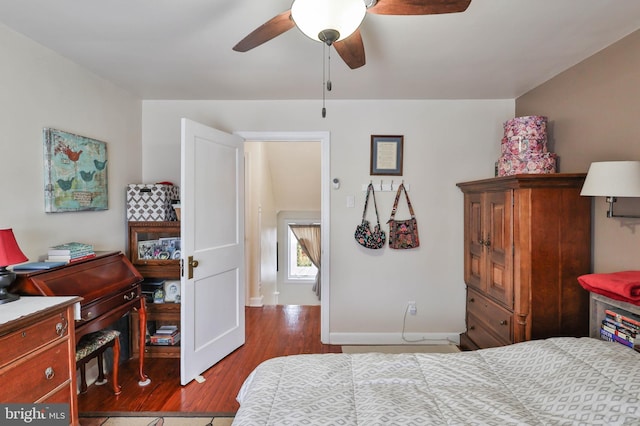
(270, 331)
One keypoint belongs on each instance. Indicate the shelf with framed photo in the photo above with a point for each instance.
(154, 249)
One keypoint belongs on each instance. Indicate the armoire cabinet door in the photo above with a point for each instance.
(489, 244)
(475, 266)
(499, 246)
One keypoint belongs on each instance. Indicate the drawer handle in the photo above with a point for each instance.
(87, 316)
(472, 300)
(130, 296)
(473, 327)
(503, 322)
(49, 373)
(61, 327)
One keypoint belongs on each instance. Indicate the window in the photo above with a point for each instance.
(299, 265)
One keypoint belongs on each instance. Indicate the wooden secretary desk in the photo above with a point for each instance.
(110, 287)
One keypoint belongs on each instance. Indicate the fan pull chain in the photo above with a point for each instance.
(329, 69)
(324, 67)
(326, 77)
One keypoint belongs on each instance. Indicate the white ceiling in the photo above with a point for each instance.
(181, 49)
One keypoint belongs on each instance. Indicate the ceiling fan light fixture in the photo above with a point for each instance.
(315, 17)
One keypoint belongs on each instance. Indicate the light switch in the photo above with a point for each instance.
(351, 201)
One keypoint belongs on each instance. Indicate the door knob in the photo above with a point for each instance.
(192, 264)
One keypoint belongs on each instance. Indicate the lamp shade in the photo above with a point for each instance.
(10, 253)
(316, 16)
(613, 179)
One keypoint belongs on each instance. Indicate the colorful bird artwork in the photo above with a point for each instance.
(100, 165)
(65, 184)
(75, 172)
(66, 150)
(87, 176)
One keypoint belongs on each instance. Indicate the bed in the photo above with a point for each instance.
(557, 381)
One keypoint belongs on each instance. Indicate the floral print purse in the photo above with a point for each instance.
(371, 239)
(403, 234)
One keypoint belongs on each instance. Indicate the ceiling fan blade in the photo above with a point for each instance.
(351, 50)
(265, 32)
(418, 7)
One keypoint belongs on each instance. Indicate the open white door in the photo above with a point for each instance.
(212, 232)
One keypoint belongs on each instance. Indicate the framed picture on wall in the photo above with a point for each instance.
(75, 172)
(386, 155)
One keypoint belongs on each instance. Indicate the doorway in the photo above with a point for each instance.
(253, 294)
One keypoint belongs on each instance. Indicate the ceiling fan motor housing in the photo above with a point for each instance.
(328, 36)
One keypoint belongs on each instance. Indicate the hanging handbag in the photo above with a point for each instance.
(403, 234)
(364, 235)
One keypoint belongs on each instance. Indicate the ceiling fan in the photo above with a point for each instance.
(337, 22)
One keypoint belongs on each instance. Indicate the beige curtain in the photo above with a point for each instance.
(308, 237)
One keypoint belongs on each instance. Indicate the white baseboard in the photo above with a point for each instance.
(394, 338)
(256, 302)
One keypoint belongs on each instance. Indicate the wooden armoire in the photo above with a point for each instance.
(527, 238)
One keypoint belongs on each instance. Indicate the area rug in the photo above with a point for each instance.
(155, 419)
(400, 349)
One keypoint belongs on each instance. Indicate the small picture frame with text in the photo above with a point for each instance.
(386, 155)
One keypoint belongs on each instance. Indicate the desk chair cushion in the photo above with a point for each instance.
(93, 346)
(89, 343)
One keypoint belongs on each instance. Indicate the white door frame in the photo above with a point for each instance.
(325, 211)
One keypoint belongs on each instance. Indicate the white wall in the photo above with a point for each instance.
(260, 227)
(296, 172)
(41, 89)
(444, 142)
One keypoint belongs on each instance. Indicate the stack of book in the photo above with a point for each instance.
(167, 335)
(622, 327)
(70, 252)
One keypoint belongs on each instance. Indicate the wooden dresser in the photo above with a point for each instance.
(37, 360)
(526, 240)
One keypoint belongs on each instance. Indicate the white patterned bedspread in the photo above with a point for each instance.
(558, 381)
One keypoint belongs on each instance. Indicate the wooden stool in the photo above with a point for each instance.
(93, 345)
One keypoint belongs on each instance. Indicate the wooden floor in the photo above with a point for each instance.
(270, 331)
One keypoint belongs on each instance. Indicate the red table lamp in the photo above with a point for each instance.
(10, 254)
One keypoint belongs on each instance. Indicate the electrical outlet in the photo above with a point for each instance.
(413, 309)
